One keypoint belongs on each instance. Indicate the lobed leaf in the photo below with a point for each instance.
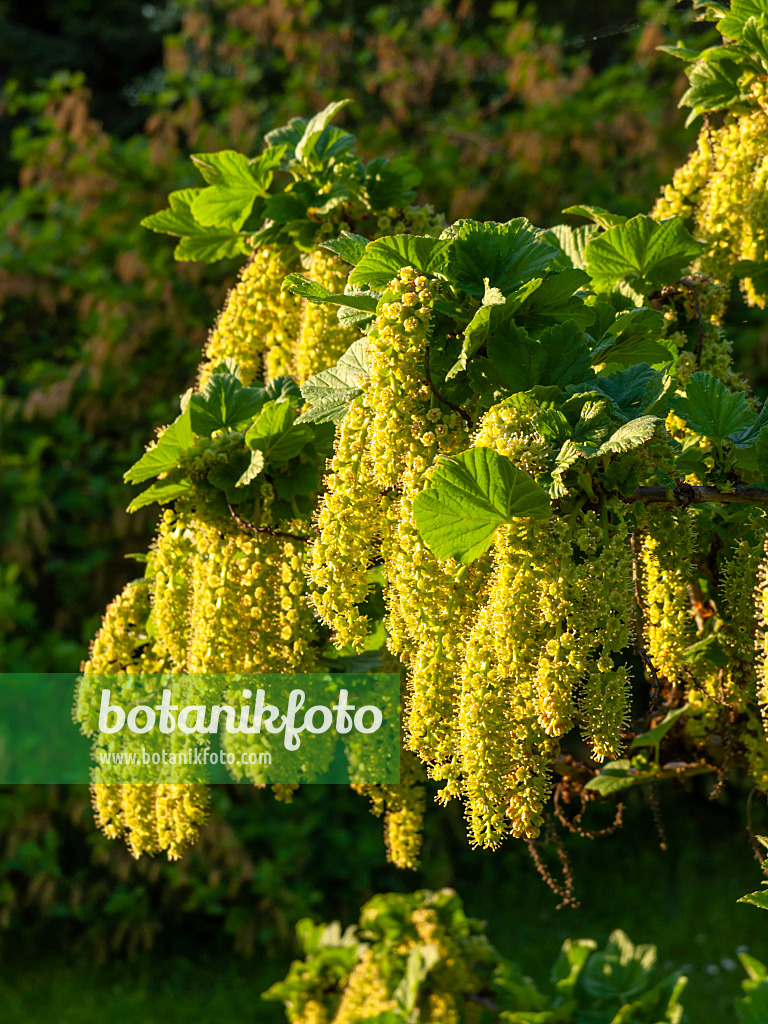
(603, 218)
(348, 247)
(709, 408)
(385, 257)
(222, 403)
(469, 496)
(330, 392)
(506, 255)
(274, 434)
(647, 253)
(315, 292)
(165, 455)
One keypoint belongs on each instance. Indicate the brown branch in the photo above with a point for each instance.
(252, 528)
(687, 494)
(439, 397)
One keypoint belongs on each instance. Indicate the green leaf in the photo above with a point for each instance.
(570, 963)
(709, 649)
(761, 451)
(348, 247)
(636, 391)
(714, 85)
(312, 291)
(468, 497)
(642, 251)
(285, 207)
(631, 339)
(304, 478)
(330, 392)
(492, 318)
(709, 408)
(618, 775)
(572, 242)
(755, 36)
(275, 434)
(604, 218)
(391, 182)
(554, 298)
(165, 455)
(234, 185)
(212, 245)
(280, 388)
(507, 255)
(223, 402)
(654, 736)
(557, 358)
(385, 257)
(681, 51)
(224, 168)
(732, 25)
(162, 492)
(198, 242)
(316, 125)
(224, 207)
(255, 466)
(325, 149)
(629, 436)
(288, 135)
(178, 218)
(756, 971)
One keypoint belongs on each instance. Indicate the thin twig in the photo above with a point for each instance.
(252, 528)
(655, 684)
(562, 889)
(436, 393)
(653, 800)
(487, 1004)
(574, 825)
(689, 284)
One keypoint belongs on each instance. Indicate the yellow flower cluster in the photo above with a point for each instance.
(723, 191)
(460, 962)
(152, 817)
(258, 325)
(402, 807)
(739, 578)
(321, 340)
(366, 993)
(391, 435)
(761, 635)
(170, 559)
(248, 611)
(539, 659)
(122, 643)
(667, 550)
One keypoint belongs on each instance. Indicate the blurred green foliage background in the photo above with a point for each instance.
(508, 109)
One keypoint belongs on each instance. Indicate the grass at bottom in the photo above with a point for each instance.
(208, 990)
(683, 900)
